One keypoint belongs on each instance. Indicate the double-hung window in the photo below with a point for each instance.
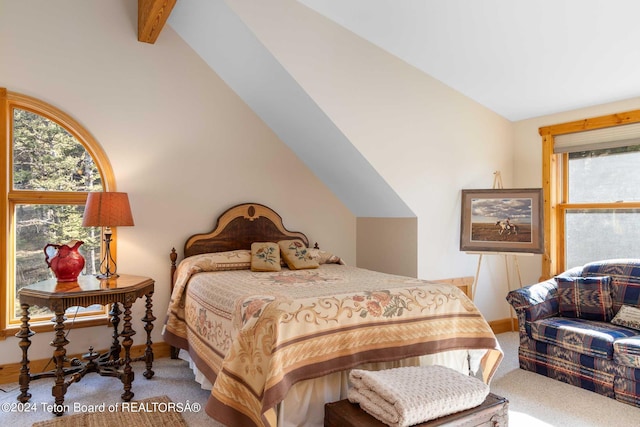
(50, 163)
(591, 174)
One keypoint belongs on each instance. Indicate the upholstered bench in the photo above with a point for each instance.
(493, 412)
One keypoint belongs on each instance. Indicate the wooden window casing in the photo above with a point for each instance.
(8, 102)
(555, 186)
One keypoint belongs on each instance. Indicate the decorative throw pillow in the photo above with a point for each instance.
(297, 255)
(219, 261)
(585, 297)
(265, 256)
(628, 316)
(324, 257)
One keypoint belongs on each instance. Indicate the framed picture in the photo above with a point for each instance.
(502, 220)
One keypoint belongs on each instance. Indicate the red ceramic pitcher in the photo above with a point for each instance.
(65, 261)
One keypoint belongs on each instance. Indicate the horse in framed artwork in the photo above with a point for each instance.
(507, 226)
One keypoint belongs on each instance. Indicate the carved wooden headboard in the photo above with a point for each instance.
(237, 228)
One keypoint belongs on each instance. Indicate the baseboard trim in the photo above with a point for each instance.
(10, 372)
(504, 325)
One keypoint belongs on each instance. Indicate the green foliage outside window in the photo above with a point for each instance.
(46, 157)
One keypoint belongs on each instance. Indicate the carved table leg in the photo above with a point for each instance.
(114, 352)
(148, 320)
(127, 332)
(60, 341)
(25, 343)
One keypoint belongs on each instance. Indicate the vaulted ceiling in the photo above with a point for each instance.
(520, 59)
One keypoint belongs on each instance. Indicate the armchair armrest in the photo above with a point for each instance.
(535, 301)
(540, 300)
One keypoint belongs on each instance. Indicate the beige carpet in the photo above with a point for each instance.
(538, 401)
(151, 412)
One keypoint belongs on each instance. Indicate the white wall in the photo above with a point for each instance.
(181, 143)
(528, 157)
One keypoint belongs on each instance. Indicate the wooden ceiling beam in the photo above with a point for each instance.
(152, 15)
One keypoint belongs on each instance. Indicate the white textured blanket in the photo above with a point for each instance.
(406, 396)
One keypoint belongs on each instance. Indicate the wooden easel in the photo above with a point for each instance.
(497, 184)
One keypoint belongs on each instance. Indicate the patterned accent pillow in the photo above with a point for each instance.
(265, 256)
(324, 257)
(628, 316)
(297, 255)
(585, 297)
(625, 279)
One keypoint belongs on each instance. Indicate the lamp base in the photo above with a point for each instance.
(107, 261)
(107, 276)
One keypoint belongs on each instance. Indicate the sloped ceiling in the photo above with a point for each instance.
(216, 33)
(519, 59)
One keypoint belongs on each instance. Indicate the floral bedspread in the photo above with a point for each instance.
(255, 334)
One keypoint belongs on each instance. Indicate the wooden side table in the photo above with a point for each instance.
(88, 290)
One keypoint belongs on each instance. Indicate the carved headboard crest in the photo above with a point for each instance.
(251, 211)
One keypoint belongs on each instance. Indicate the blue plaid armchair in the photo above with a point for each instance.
(572, 328)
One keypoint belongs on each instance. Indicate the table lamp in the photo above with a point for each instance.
(107, 209)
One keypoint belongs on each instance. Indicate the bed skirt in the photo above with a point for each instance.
(304, 403)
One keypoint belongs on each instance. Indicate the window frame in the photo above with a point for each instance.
(555, 186)
(8, 101)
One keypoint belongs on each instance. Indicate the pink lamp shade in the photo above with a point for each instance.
(107, 209)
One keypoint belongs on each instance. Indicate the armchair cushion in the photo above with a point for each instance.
(579, 335)
(625, 279)
(585, 297)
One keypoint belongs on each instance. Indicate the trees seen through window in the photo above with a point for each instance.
(52, 163)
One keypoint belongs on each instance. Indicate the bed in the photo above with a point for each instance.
(275, 346)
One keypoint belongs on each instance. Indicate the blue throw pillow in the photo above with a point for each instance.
(585, 297)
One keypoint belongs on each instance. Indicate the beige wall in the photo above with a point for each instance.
(388, 245)
(180, 141)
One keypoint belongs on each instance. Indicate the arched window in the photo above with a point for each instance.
(50, 163)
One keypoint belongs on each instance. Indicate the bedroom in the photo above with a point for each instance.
(177, 135)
